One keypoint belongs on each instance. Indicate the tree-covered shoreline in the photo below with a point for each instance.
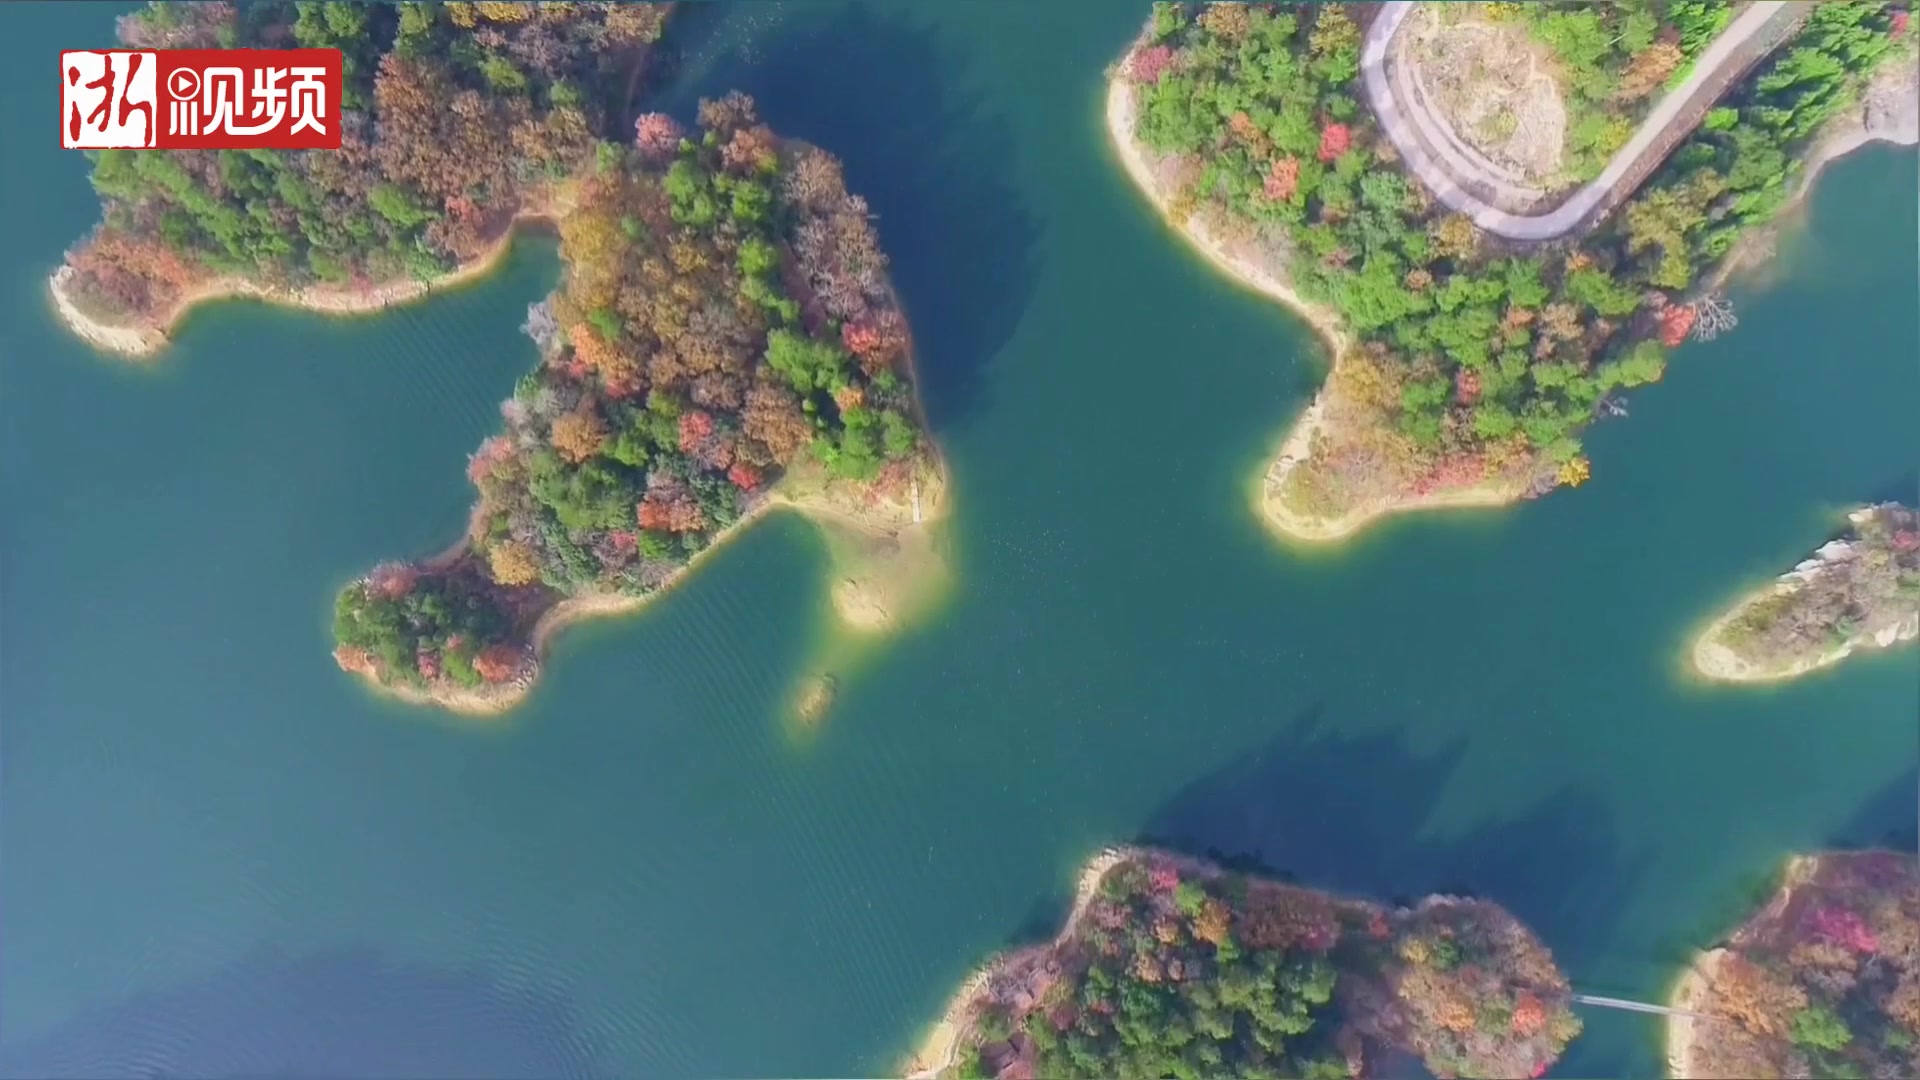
(1823, 980)
(1172, 966)
(1479, 362)
(457, 118)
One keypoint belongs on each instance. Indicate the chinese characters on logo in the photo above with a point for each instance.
(183, 99)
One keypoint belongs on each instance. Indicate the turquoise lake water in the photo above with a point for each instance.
(220, 855)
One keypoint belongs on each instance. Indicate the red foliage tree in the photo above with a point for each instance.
(652, 514)
(392, 580)
(1845, 927)
(1675, 322)
(695, 427)
(671, 511)
(1150, 63)
(744, 476)
(876, 339)
(859, 337)
(1898, 24)
(488, 458)
(1457, 471)
(1466, 386)
(1163, 878)
(1529, 1016)
(428, 663)
(656, 134)
(1334, 141)
(498, 663)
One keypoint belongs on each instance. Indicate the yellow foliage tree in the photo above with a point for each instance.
(1575, 472)
(1454, 236)
(1214, 922)
(512, 563)
(498, 11)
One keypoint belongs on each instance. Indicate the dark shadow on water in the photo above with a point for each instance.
(346, 1013)
(1330, 810)
(1043, 921)
(874, 90)
(1889, 819)
(1905, 489)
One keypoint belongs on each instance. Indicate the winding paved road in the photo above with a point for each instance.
(1715, 69)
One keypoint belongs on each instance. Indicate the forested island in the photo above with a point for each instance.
(1859, 591)
(725, 339)
(1467, 365)
(1822, 981)
(1173, 966)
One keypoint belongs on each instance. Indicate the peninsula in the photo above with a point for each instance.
(1403, 178)
(1173, 966)
(725, 340)
(1859, 591)
(1822, 981)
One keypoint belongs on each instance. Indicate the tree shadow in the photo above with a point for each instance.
(335, 1014)
(1290, 810)
(878, 93)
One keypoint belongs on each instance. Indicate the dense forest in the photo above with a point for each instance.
(1858, 587)
(1178, 969)
(1479, 362)
(725, 319)
(458, 116)
(1825, 981)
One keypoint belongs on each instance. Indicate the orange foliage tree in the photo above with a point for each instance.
(498, 663)
(579, 435)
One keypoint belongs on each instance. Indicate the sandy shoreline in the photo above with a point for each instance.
(1689, 994)
(936, 1051)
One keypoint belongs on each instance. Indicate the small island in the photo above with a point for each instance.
(1859, 591)
(1173, 966)
(1480, 313)
(725, 340)
(1822, 981)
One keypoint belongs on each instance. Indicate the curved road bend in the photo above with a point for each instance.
(1726, 50)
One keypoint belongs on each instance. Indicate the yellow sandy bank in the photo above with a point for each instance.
(1298, 444)
(1714, 659)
